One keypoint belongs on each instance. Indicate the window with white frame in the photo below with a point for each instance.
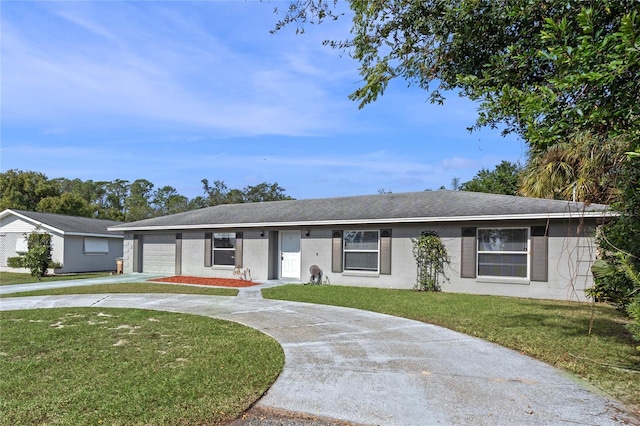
(22, 246)
(224, 249)
(503, 252)
(361, 250)
(96, 245)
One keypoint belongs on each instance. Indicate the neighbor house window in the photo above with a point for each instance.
(224, 249)
(361, 250)
(503, 252)
(96, 245)
(21, 245)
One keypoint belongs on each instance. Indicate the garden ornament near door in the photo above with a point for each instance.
(316, 275)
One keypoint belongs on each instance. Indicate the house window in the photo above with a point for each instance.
(361, 250)
(503, 252)
(224, 249)
(96, 245)
(21, 245)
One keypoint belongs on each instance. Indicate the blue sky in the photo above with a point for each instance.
(175, 92)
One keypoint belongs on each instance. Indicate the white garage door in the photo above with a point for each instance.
(159, 254)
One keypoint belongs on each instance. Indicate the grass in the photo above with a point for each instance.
(129, 367)
(555, 332)
(139, 287)
(19, 278)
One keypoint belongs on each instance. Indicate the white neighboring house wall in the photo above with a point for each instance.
(68, 250)
(13, 230)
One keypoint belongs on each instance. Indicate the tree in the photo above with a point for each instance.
(23, 190)
(455, 184)
(220, 193)
(583, 168)
(265, 192)
(503, 179)
(216, 194)
(137, 203)
(543, 69)
(166, 200)
(38, 256)
(68, 203)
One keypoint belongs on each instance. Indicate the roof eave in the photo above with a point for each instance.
(36, 222)
(86, 234)
(595, 214)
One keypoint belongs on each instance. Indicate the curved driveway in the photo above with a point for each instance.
(375, 369)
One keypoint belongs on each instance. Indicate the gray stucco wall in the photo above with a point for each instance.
(570, 250)
(75, 259)
(69, 251)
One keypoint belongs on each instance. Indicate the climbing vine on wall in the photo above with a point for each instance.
(431, 258)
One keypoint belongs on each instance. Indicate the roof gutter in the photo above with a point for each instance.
(573, 215)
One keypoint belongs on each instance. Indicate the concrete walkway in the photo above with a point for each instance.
(374, 369)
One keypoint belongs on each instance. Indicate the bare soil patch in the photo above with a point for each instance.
(218, 282)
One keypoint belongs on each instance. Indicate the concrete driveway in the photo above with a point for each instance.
(374, 369)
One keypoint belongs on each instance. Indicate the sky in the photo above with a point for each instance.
(175, 92)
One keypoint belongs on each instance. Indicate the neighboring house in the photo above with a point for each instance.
(498, 244)
(79, 244)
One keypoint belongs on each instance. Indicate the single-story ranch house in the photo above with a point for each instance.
(79, 244)
(501, 245)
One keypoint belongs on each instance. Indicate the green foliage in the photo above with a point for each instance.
(617, 274)
(15, 262)
(542, 68)
(501, 180)
(583, 167)
(38, 256)
(67, 203)
(21, 278)
(219, 193)
(634, 313)
(23, 190)
(166, 200)
(118, 199)
(431, 258)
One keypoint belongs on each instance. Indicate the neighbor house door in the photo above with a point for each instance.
(290, 254)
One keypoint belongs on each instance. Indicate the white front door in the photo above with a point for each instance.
(290, 254)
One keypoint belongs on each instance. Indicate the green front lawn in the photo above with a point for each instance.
(139, 287)
(555, 332)
(19, 278)
(129, 367)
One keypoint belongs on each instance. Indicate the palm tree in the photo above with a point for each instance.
(583, 168)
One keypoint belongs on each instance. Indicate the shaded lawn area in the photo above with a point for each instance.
(138, 287)
(20, 278)
(129, 367)
(555, 332)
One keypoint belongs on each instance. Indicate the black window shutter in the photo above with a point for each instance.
(539, 253)
(208, 253)
(385, 252)
(336, 251)
(468, 255)
(239, 239)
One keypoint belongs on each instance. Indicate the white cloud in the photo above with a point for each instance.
(197, 80)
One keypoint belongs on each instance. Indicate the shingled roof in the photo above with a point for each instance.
(428, 206)
(69, 225)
